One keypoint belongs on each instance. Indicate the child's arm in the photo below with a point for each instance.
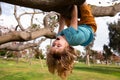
(74, 18)
(61, 23)
(69, 22)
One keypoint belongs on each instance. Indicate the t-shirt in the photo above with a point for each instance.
(82, 36)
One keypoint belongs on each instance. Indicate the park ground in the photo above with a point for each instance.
(10, 70)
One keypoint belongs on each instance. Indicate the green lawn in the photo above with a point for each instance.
(10, 70)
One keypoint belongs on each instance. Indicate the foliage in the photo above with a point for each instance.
(107, 53)
(2, 53)
(114, 36)
(39, 56)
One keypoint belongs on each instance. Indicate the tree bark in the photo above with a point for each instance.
(45, 5)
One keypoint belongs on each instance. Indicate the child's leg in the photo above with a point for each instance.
(87, 17)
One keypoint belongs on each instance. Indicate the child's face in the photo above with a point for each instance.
(59, 44)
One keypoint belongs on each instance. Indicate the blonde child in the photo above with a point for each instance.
(61, 56)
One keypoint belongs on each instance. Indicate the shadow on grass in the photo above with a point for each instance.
(100, 69)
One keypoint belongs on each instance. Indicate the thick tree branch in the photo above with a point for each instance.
(100, 11)
(26, 36)
(45, 5)
(61, 5)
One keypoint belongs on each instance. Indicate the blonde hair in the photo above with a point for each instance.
(61, 62)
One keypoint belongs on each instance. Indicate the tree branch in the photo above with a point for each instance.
(18, 47)
(26, 36)
(18, 19)
(62, 5)
(100, 11)
(45, 5)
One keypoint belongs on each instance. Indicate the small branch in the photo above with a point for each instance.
(25, 13)
(32, 17)
(18, 18)
(47, 22)
(0, 9)
(16, 27)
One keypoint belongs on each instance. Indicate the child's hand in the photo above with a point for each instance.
(79, 2)
(85, 3)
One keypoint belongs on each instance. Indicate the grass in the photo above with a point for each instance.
(10, 70)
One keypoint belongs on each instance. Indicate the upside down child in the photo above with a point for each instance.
(61, 56)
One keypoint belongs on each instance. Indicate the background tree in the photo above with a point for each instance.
(89, 51)
(94, 56)
(114, 36)
(78, 55)
(107, 53)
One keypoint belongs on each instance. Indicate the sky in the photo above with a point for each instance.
(7, 19)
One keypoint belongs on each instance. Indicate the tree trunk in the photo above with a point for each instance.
(87, 58)
(94, 59)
